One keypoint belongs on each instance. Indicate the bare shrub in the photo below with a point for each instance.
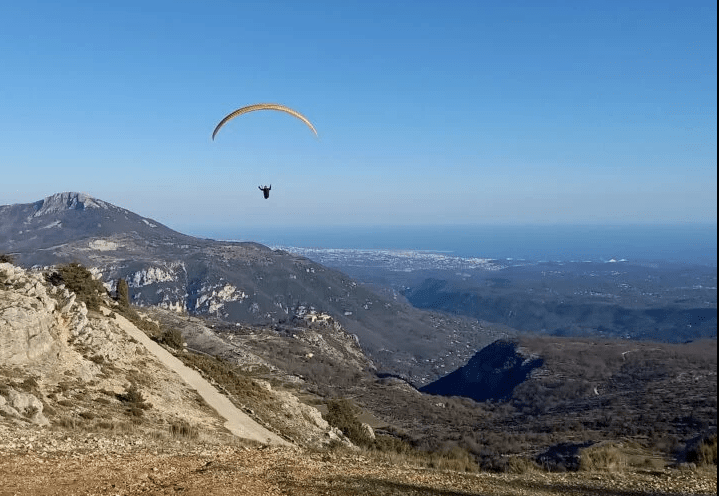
(603, 457)
(458, 459)
(183, 429)
(704, 452)
(521, 465)
(68, 423)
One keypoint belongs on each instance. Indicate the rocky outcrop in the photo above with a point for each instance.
(53, 352)
(66, 201)
(23, 405)
(27, 315)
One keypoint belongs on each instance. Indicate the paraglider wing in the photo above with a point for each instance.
(264, 106)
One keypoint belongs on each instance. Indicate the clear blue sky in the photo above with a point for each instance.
(427, 111)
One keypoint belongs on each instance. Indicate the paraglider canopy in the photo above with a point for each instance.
(263, 106)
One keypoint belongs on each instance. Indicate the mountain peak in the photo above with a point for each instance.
(67, 201)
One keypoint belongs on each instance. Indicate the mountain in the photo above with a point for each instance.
(241, 282)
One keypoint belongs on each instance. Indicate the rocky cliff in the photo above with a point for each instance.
(61, 364)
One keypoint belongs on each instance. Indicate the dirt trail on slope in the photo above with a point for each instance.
(237, 422)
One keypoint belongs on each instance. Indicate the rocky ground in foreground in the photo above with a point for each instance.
(65, 462)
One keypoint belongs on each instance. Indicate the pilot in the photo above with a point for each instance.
(265, 190)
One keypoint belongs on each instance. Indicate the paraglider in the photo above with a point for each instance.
(263, 106)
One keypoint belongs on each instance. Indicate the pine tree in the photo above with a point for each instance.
(123, 293)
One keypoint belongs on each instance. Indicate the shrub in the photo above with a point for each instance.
(602, 456)
(456, 458)
(343, 415)
(389, 444)
(172, 338)
(134, 400)
(520, 465)
(704, 452)
(80, 281)
(5, 258)
(67, 423)
(183, 429)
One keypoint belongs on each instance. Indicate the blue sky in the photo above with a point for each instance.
(428, 112)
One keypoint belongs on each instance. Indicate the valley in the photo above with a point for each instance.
(646, 300)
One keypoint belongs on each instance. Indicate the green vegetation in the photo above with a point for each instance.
(172, 338)
(134, 400)
(6, 258)
(342, 414)
(80, 281)
(123, 293)
(229, 377)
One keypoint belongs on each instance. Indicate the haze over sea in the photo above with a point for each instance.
(690, 243)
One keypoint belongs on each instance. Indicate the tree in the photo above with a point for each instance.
(80, 281)
(123, 293)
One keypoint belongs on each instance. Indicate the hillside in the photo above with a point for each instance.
(65, 363)
(638, 299)
(658, 301)
(88, 406)
(241, 282)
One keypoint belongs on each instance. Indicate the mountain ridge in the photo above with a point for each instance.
(233, 281)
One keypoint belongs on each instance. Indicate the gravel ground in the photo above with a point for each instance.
(90, 464)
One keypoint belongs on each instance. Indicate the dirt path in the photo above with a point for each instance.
(237, 422)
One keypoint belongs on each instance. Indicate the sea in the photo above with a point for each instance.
(683, 244)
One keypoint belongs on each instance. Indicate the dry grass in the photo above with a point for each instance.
(182, 429)
(606, 457)
(704, 453)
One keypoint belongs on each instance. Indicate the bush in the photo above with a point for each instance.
(80, 281)
(343, 415)
(5, 258)
(183, 429)
(520, 465)
(134, 400)
(603, 456)
(704, 452)
(172, 338)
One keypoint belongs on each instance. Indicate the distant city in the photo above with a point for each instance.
(397, 260)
